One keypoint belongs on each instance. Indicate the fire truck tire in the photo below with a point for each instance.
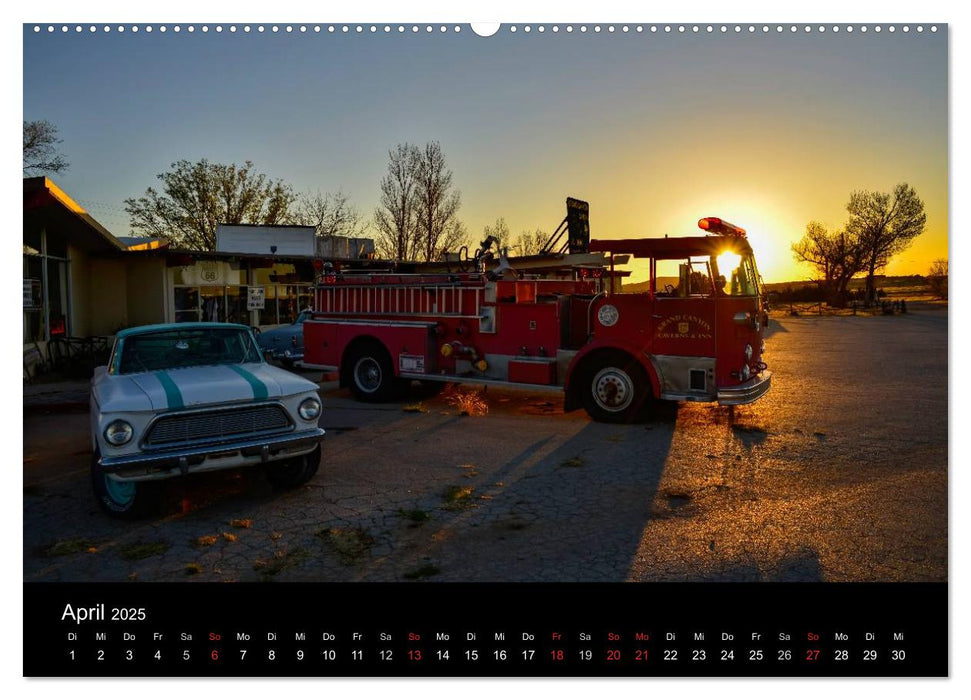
(370, 373)
(615, 389)
(294, 472)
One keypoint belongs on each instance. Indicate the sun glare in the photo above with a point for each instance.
(728, 261)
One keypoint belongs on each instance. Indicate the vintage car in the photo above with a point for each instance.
(284, 344)
(181, 398)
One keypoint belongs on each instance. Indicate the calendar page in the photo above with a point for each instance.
(526, 349)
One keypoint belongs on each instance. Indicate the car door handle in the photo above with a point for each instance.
(657, 316)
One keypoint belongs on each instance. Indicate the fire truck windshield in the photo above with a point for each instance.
(737, 275)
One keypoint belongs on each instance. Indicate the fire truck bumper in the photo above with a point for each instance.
(746, 392)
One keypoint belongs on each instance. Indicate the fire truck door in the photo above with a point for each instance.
(683, 341)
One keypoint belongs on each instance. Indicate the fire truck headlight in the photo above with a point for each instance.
(309, 409)
(748, 353)
(745, 373)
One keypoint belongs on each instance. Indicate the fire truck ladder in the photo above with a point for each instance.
(434, 299)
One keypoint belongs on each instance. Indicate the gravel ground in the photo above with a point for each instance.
(838, 474)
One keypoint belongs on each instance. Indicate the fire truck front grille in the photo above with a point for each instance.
(181, 429)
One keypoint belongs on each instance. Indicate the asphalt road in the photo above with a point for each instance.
(838, 474)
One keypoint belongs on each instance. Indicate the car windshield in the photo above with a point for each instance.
(192, 347)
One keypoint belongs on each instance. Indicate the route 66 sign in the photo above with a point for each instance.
(608, 315)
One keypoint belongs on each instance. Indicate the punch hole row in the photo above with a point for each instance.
(443, 29)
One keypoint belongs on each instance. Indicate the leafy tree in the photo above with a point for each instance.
(196, 197)
(330, 214)
(395, 217)
(884, 223)
(937, 278)
(40, 149)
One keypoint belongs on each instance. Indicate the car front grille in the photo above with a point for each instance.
(199, 426)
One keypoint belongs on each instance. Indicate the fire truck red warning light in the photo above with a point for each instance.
(712, 224)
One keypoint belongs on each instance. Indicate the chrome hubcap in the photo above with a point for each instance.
(367, 374)
(613, 389)
(121, 492)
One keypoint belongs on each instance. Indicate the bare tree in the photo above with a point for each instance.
(836, 255)
(196, 197)
(40, 149)
(530, 242)
(436, 203)
(330, 214)
(395, 217)
(885, 223)
(499, 231)
(937, 278)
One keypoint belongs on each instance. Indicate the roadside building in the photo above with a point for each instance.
(82, 282)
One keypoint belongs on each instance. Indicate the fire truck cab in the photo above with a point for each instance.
(693, 335)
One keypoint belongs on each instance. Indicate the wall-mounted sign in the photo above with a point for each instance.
(256, 299)
(31, 293)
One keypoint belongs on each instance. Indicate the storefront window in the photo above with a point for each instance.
(213, 303)
(236, 305)
(186, 304)
(46, 311)
(218, 290)
(268, 314)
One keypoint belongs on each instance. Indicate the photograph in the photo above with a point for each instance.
(532, 303)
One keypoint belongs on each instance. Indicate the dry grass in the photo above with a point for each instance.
(205, 541)
(423, 571)
(457, 497)
(143, 550)
(468, 402)
(282, 559)
(73, 546)
(350, 544)
(242, 523)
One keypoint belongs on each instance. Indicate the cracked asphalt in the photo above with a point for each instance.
(838, 474)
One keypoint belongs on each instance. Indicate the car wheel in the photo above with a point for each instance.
(370, 374)
(122, 499)
(290, 473)
(615, 390)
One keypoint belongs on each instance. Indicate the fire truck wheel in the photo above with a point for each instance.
(371, 375)
(615, 390)
(294, 472)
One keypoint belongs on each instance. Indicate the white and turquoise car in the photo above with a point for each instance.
(182, 398)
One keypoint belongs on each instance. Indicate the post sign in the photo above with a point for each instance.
(578, 224)
(256, 299)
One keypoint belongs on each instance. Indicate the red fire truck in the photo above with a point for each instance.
(696, 336)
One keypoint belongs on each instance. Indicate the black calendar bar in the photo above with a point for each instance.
(422, 629)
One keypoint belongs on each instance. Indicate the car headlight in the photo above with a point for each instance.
(748, 353)
(309, 409)
(746, 373)
(119, 433)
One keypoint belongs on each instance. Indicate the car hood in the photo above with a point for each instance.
(198, 386)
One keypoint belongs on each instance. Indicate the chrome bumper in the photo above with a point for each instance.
(746, 392)
(146, 466)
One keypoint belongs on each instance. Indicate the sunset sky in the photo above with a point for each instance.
(766, 130)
